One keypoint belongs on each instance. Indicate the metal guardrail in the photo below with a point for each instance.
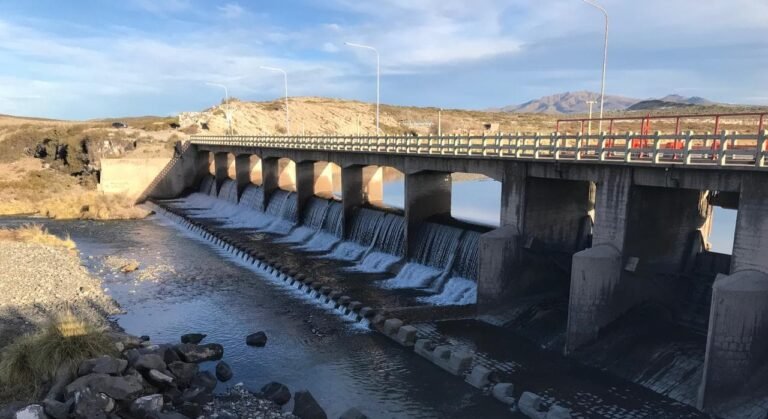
(688, 149)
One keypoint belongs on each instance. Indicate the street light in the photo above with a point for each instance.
(378, 76)
(594, 4)
(227, 111)
(589, 121)
(439, 122)
(285, 78)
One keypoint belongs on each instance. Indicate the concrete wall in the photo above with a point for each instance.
(555, 211)
(221, 166)
(270, 176)
(242, 172)
(129, 176)
(352, 196)
(426, 194)
(305, 186)
(181, 173)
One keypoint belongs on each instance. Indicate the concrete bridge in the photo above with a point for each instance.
(630, 211)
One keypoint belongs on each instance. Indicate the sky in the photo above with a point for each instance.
(85, 59)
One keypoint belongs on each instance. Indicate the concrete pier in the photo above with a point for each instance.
(242, 172)
(221, 164)
(270, 177)
(352, 195)
(426, 194)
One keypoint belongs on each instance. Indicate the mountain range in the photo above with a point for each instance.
(576, 102)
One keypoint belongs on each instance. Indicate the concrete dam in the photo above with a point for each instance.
(601, 251)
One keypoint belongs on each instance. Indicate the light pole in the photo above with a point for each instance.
(439, 122)
(227, 111)
(589, 121)
(378, 76)
(285, 78)
(594, 4)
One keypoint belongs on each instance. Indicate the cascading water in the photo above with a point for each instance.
(282, 208)
(228, 191)
(330, 234)
(207, 184)
(252, 198)
(365, 225)
(387, 246)
(317, 209)
(277, 202)
(460, 287)
(435, 251)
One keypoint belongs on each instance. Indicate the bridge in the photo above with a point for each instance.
(631, 212)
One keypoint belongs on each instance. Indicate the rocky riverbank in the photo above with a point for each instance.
(39, 281)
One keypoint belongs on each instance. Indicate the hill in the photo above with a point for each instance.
(576, 102)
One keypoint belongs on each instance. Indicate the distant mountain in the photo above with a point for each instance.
(576, 102)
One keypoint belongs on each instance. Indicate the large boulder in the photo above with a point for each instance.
(193, 338)
(33, 411)
(126, 340)
(223, 372)
(276, 392)
(57, 409)
(102, 365)
(205, 380)
(160, 379)
(90, 404)
(184, 372)
(189, 352)
(306, 407)
(149, 362)
(353, 413)
(147, 405)
(196, 394)
(119, 388)
(256, 339)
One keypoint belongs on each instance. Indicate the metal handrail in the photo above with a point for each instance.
(686, 149)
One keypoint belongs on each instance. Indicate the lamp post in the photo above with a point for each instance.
(439, 122)
(227, 110)
(378, 76)
(589, 121)
(594, 4)
(285, 79)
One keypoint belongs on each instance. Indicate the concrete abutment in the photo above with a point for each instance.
(427, 194)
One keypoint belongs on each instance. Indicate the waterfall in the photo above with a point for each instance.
(391, 234)
(467, 260)
(460, 285)
(207, 184)
(333, 223)
(275, 206)
(228, 191)
(317, 209)
(253, 197)
(365, 224)
(436, 245)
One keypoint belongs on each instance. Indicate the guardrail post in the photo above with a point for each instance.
(723, 148)
(628, 147)
(688, 147)
(656, 147)
(760, 152)
(601, 145)
(536, 145)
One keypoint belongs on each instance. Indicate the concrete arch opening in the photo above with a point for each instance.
(231, 169)
(476, 199)
(211, 163)
(286, 179)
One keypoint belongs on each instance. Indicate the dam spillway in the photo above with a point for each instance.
(581, 245)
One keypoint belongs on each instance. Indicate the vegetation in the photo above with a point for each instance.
(33, 359)
(36, 233)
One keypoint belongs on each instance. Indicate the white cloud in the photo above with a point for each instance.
(231, 11)
(330, 47)
(161, 6)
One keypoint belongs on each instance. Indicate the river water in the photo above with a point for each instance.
(199, 289)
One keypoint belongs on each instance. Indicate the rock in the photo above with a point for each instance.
(189, 352)
(479, 377)
(128, 341)
(129, 267)
(193, 338)
(184, 372)
(119, 388)
(169, 354)
(157, 377)
(169, 415)
(102, 365)
(33, 411)
(276, 392)
(57, 409)
(9, 410)
(90, 404)
(256, 339)
(529, 405)
(150, 362)
(172, 395)
(147, 405)
(223, 414)
(205, 380)
(195, 394)
(353, 414)
(223, 372)
(503, 392)
(190, 410)
(305, 406)
(61, 378)
(558, 412)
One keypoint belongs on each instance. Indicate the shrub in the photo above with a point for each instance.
(33, 359)
(36, 233)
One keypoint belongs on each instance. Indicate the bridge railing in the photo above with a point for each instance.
(726, 149)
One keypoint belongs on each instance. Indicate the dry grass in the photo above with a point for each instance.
(56, 195)
(33, 359)
(35, 233)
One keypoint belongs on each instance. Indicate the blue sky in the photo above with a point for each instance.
(92, 58)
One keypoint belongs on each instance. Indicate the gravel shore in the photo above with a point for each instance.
(37, 281)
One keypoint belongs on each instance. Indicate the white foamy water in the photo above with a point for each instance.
(299, 235)
(320, 242)
(413, 275)
(457, 291)
(375, 262)
(347, 251)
